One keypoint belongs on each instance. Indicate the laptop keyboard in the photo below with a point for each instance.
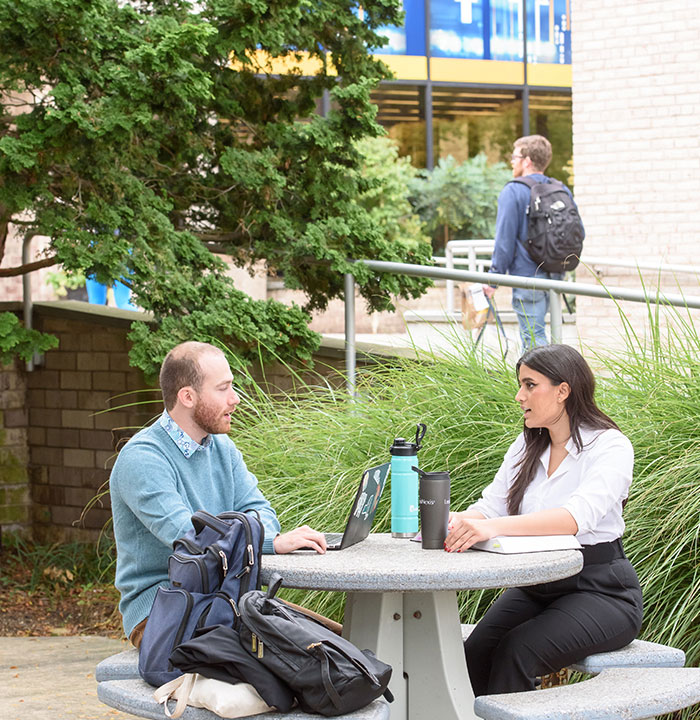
(333, 538)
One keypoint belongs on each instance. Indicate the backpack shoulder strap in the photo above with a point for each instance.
(274, 584)
(557, 183)
(525, 180)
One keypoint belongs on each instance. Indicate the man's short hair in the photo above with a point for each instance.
(537, 148)
(181, 369)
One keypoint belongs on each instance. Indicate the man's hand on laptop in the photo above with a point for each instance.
(301, 537)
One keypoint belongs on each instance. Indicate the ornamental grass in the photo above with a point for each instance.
(309, 449)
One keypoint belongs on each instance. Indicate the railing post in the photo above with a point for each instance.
(27, 296)
(449, 284)
(350, 333)
(555, 316)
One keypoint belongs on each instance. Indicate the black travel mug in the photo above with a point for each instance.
(434, 504)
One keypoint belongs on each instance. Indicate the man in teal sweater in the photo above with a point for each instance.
(183, 462)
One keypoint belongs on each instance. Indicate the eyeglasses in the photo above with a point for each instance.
(516, 157)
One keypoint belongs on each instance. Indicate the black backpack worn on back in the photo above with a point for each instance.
(554, 229)
(212, 566)
(326, 673)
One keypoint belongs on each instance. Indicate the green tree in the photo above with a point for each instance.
(144, 137)
(459, 200)
(387, 197)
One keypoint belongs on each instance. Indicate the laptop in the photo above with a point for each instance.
(363, 509)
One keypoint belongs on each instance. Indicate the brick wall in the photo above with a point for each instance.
(15, 507)
(636, 132)
(71, 441)
(57, 443)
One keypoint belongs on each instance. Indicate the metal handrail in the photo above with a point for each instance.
(642, 265)
(556, 289)
(472, 247)
(463, 247)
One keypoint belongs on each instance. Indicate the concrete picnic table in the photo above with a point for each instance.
(402, 605)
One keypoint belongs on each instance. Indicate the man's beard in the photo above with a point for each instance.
(210, 419)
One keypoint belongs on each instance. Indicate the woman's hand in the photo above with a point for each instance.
(464, 531)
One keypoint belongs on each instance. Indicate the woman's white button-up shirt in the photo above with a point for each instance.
(591, 484)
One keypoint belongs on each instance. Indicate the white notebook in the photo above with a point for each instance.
(509, 544)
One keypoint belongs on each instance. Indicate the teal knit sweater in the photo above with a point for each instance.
(155, 490)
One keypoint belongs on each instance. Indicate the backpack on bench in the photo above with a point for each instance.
(211, 567)
(326, 673)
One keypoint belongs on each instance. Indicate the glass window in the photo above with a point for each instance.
(467, 121)
(401, 110)
(550, 115)
(410, 38)
(548, 30)
(457, 29)
(493, 30)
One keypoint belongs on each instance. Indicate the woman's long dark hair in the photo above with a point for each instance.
(560, 363)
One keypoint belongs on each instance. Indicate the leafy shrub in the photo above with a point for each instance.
(16, 340)
(459, 201)
(390, 179)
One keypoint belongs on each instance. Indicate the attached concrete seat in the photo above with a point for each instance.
(630, 693)
(122, 666)
(639, 653)
(120, 687)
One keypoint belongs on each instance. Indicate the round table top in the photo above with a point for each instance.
(385, 564)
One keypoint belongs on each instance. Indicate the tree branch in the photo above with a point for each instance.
(29, 267)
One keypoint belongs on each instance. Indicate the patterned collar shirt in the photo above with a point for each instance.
(187, 446)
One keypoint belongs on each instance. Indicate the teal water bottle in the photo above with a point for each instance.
(404, 485)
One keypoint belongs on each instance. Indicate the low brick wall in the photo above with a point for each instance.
(62, 423)
(69, 441)
(15, 506)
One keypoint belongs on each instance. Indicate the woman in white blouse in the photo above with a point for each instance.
(568, 473)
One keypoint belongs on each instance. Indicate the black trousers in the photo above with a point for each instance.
(532, 631)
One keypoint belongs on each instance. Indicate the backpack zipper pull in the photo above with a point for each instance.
(232, 602)
(251, 555)
(224, 561)
(313, 645)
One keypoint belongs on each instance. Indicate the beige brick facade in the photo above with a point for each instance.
(11, 287)
(636, 127)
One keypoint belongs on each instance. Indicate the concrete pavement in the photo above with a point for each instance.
(53, 678)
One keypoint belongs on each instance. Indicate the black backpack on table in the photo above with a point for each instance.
(210, 568)
(326, 673)
(554, 228)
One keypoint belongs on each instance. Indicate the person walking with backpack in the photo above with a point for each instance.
(539, 234)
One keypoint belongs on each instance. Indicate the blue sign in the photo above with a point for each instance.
(458, 28)
(492, 30)
(409, 39)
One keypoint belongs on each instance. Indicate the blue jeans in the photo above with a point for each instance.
(530, 308)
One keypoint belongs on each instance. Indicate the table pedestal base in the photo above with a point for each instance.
(419, 635)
